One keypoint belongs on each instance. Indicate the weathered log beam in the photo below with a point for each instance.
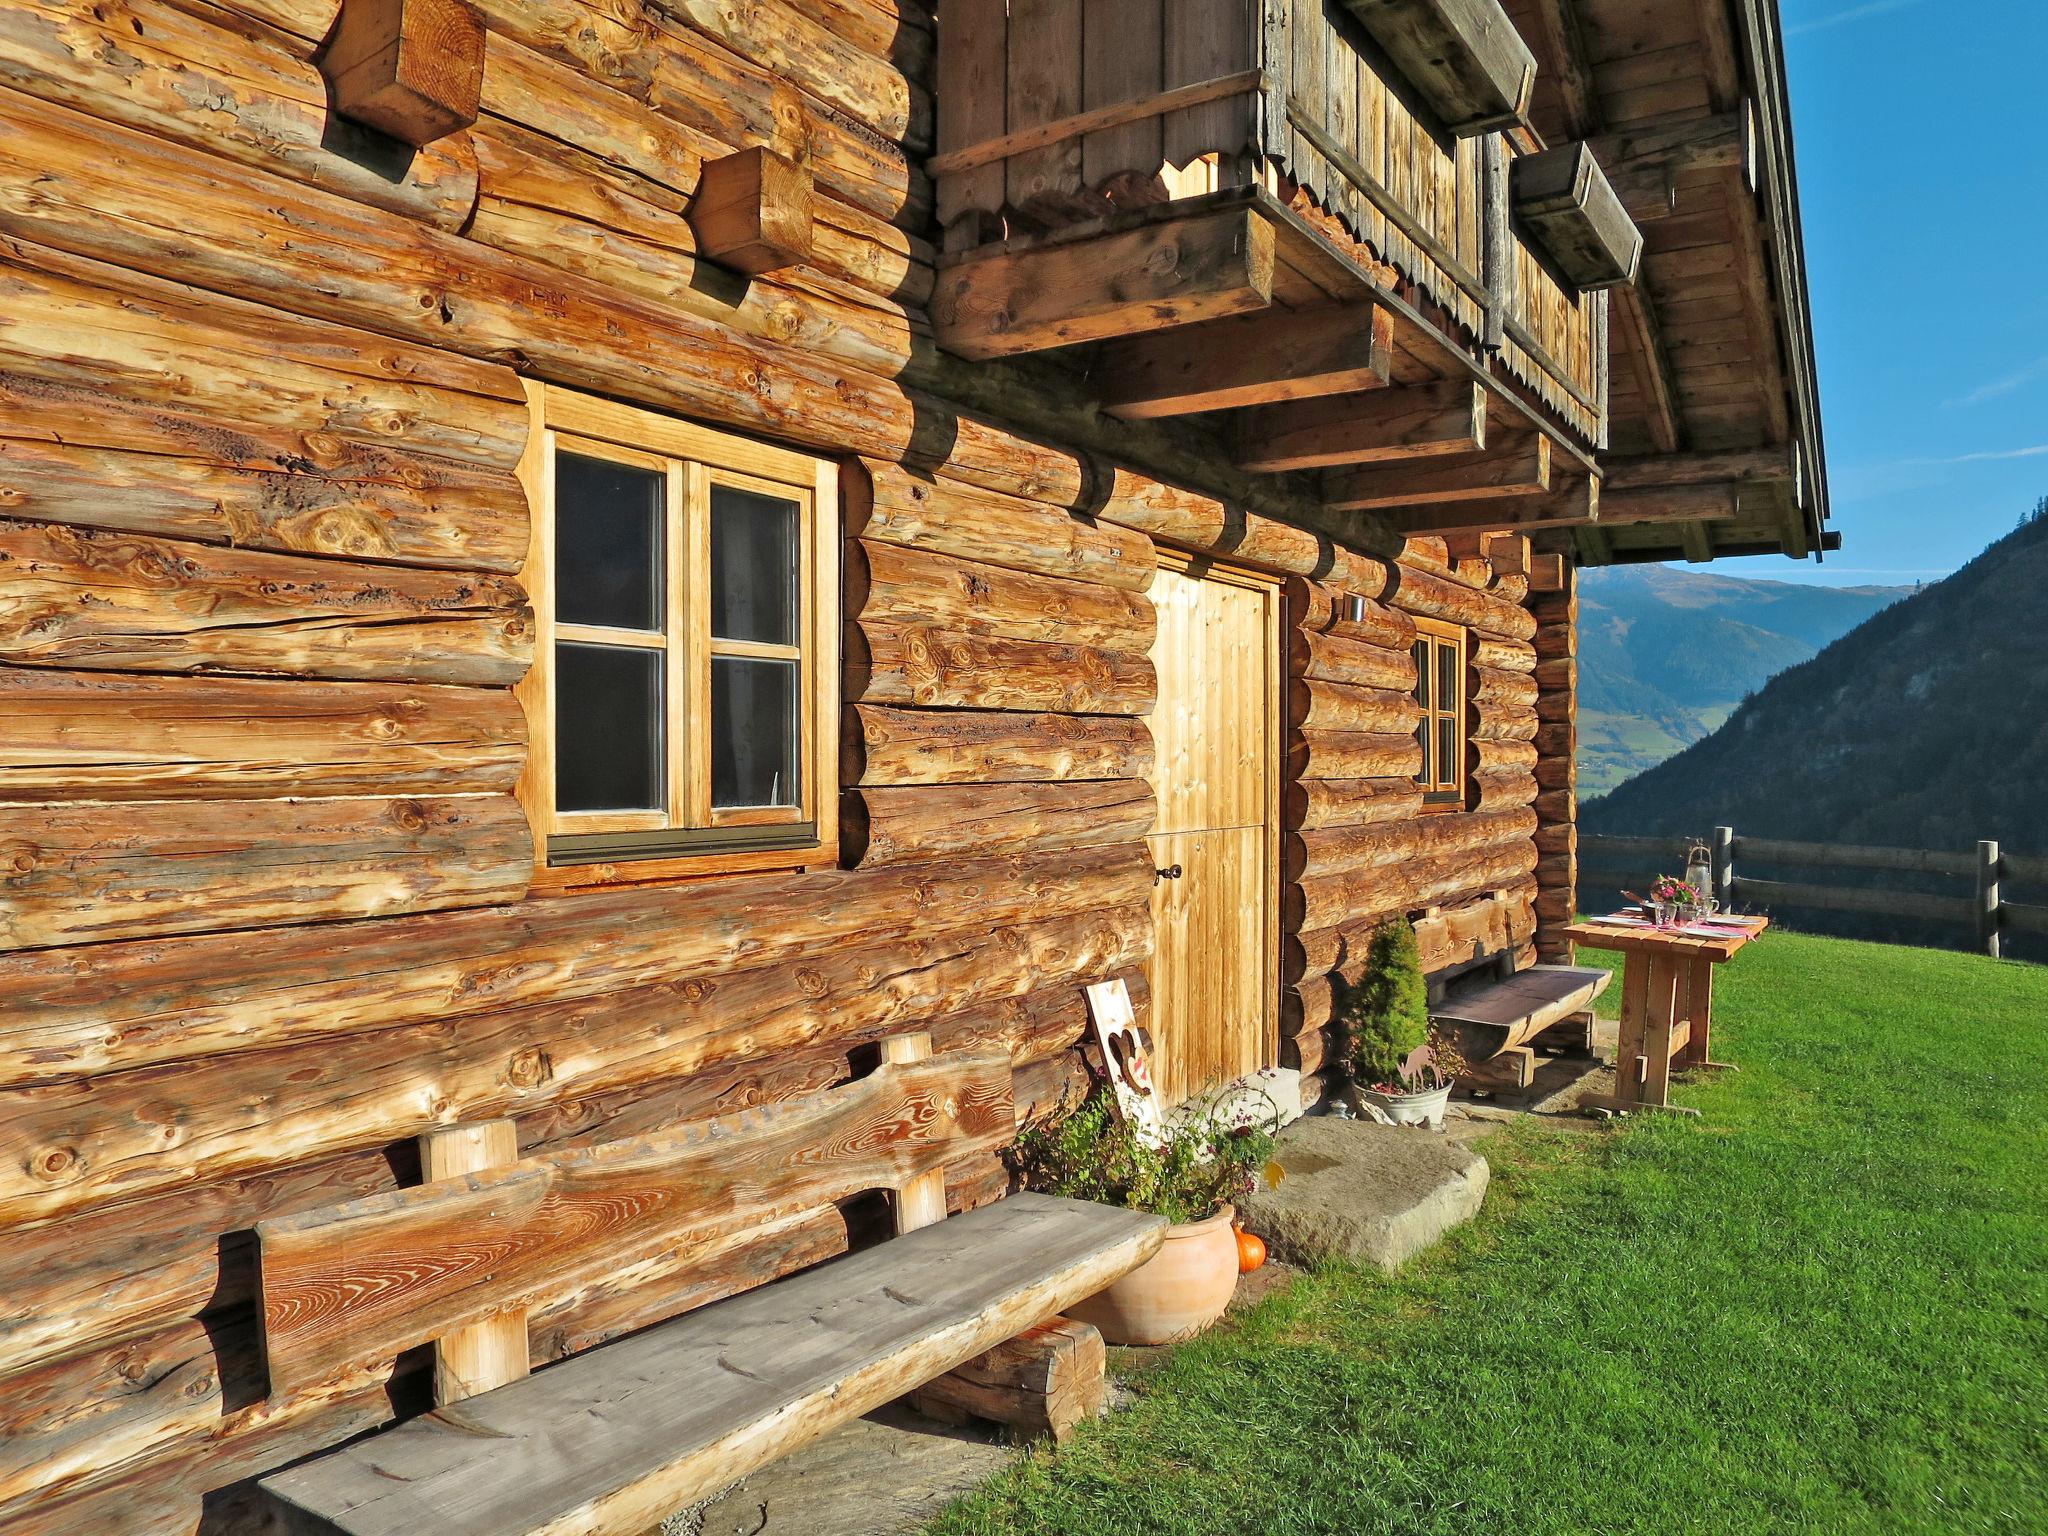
(1377, 427)
(890, 583)
(1779, 464)
(1316, 803)
(752, 211)
(1254, 359)
(80, 874)
(1045, 1382)
(143, 1004)
(1516, 468)
(1673, 503)
(891, 664)
(1643, 164)
(886, 745)
(1355, 663)
(106, 736)
(1326, 608)
(1354, 755)
(412, 69)
(887, 825)
(1004, 301)
(1574, 501)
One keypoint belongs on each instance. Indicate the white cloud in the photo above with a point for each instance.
(1853, 13)
(2035, 451)
(2004, 386)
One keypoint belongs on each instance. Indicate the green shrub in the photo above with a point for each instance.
(1090, 1153)
(1386, 1012)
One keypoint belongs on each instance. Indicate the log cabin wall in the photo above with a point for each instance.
(270, 901)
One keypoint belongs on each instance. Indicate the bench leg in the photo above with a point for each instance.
(1046, 1381)
(493, 1352)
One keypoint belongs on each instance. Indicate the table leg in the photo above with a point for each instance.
(1666, 1012)
(1628, 1051)
(1699, 1055)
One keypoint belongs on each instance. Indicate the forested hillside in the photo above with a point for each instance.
(1926, 727)
(1666, 654)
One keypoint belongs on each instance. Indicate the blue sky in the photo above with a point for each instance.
(1923, 179)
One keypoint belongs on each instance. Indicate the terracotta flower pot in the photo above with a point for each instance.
(1176, 1293)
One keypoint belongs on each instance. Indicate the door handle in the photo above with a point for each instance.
(1171, 872)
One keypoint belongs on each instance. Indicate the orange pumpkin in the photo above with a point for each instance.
(1251, 1251)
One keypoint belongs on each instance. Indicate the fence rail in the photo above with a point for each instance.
(1985, 909)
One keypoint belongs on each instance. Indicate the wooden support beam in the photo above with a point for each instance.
(1635, 313)
(411, 68)
(1643, 164)
(1256, 359)
(1697, 541)
(1547, 573)
(1572, 502)
(1046, 1382)
(920, 1200)
(1384, 426)
(495, 1351)
(1671, 503)
(1518, 467)
(1006, 300)
(1593, 547)
(1629, 474)
(753, 211)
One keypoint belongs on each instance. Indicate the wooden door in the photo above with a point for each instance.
(1215, 736)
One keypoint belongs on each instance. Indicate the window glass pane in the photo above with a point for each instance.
(608, 728)
(1446, 676)
(1446, 752)
(753, 732)
(1422, 735)
(608, 543)
(753, 566)
(1422, 673)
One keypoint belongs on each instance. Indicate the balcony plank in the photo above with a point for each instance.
(1384, 426)
(1245, 360)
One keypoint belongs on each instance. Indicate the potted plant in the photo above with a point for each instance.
(1402, 1067)
(1190, 1173)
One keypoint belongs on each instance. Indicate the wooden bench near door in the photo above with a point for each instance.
(615, 1439)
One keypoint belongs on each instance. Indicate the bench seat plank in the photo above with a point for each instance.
(616, 1439)
(1524, 1005)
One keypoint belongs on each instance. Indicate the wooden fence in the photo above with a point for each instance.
(1987, 910)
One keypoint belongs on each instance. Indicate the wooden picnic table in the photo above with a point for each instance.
(1667, 1000)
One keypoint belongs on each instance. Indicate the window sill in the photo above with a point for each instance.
(628, 874)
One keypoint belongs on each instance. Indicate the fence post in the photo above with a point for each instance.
(1987, 899)
(1724, 867)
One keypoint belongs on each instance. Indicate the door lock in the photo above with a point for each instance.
(1171, 872)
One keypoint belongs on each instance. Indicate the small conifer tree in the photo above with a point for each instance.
(1387, 1012)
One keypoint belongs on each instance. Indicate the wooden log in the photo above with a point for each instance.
(885, 825)
(1517, 467)
(1245, 360)
(357, 1282)
(143, 1004)
(753, 211)
(1512, 725)
(1333, 659)
(1051, 1088)
(1500, 789)
(1351, 756)
(1044, 1383)
(1376, 427)
(474, 519)
(1308, 1053)
(1005, 302)
(124, 1271)
(899, 506)
(1035, 1027)
(1440, 597)
(210, 81)
(1497, 690)
(1561, 676)
(1339, 850)
(885, 745)
(886, 664)
(410, 68)
(1336, 707)
(79, 597)
(81, 874)
(97, 337)
(87, 1144)
(1317, 803)
(892, 584)
(1503, 655)
(107, 736)
(1503, 754)
(1349, 615)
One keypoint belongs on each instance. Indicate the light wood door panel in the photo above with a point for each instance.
(1215, 742)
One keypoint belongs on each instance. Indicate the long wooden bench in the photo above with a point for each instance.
(1497, 1019)
(615, 1439)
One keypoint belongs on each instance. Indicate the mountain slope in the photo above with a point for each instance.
(1926, 727)
(1666, 654)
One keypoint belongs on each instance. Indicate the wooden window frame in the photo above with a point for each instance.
(687, 838)
(1444, 791)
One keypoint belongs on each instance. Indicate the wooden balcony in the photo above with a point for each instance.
(1228, 206)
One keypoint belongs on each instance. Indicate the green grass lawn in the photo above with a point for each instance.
(1820, 1308)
